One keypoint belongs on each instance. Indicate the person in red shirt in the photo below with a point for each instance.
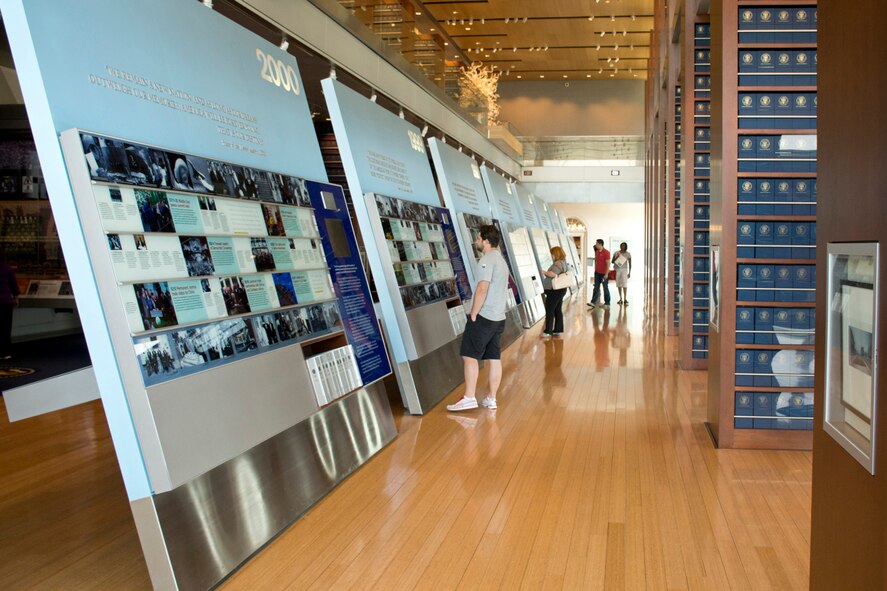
(601, 267)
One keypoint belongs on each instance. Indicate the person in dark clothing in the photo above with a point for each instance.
(9, 293)
(554, 298)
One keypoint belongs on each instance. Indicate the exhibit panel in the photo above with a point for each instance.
(197, 251)
(503, 200)
(386, 162)
(465, 196)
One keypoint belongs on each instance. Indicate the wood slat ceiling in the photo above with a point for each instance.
(552, 39)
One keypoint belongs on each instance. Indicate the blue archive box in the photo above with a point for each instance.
(744, 411)
(762, 368)
(764, 240)
(783, 198)
(766, 153)
(782, 320)
(803, 319)
(766, 196)
(763, 408)
(766, 283)
(745, 318)
(744, 367)
(746, 196)
(763, 326)
(782, 235)
(784, 279)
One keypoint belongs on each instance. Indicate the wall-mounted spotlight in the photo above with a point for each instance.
(373, 96)
(284, 44)
(208, 3)
(333, 71)
(525, 19)
(400, 113)
(425, 130)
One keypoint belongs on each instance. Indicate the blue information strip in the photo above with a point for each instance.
(452, 242)
(349, 280)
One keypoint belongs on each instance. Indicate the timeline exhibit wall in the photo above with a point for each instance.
(204, 247)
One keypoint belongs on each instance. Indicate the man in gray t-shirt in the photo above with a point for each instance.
(485, 322)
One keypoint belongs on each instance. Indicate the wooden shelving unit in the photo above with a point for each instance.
(764, 208)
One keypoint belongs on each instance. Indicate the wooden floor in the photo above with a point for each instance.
(596, 472)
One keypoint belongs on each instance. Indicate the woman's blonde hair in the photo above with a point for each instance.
(558, 254)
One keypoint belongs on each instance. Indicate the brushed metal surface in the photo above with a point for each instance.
(431, 328)
(513, 329)
(437, 374)
(216, 521)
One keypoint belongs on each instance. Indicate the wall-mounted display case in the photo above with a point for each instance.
(851, 350)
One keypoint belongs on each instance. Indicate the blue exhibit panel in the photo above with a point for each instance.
(349, 281)
(503, 197)
(527, 208)
(173, 84)
(460, 180)
(383, 153)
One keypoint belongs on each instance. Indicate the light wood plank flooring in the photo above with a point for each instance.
(596, 472)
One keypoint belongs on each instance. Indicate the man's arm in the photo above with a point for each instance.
(480, 295)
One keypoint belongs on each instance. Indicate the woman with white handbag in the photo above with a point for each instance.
(622, 264)
(556, 279)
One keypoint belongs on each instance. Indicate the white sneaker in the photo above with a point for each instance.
(489, 403)
(463, 404)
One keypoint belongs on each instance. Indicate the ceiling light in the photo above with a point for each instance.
(603, 33)
(513, 49)
(617, 60)
(486, 55)
(418, 13)
(467, 28)
(432, 29)
(588, 75)
(634, 18)
(601, 71)
(507, 20)
(546, 48)
(519, 76)
(565, 75)
(373, 97)
(208, 3)
(284, 44)
(591, 18)
(445, 43)
(525, 19)
(598, 47)
(471, 21)
(482, 22)
(612, 18)
(542, 75)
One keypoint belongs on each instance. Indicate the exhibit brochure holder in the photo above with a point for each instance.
(851, 380)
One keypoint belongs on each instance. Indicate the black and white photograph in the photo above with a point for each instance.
(205, 286)
(303, 199)
(262, 256)
(240, 334)
(154, 211)
(199, 171)
(198, 259)
(285, 325)
(181, 171)
(860, 350)
(286, 293)
(139, 241)
(155, 305)
(273, 220)
(233, 179)
(206, 203)
(265, 329)
(386, 206)
(156, 357)
(216, 178)
(114, 242)
(234, 295)
(116, 196)
(107, 160)
(65, 289)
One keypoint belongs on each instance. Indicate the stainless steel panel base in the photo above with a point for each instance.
(435, 375)
(531, 311)
(197, 534)
(513, 330)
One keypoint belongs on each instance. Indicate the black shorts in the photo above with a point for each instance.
(481, 338)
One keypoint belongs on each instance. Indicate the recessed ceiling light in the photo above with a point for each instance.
(542, 75)
(588, 75)
(519, 76)
(467, 28)
(418, 13)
